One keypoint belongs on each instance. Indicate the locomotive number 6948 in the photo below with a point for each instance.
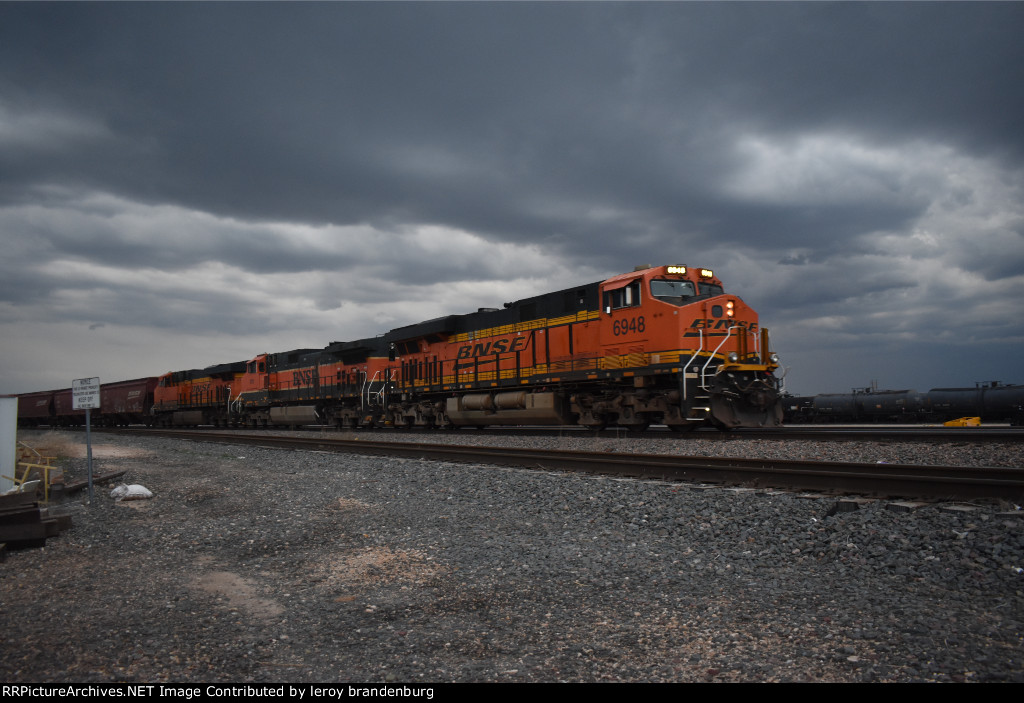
(628, 325)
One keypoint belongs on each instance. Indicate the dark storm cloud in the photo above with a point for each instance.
(507, 120)
(237, 168)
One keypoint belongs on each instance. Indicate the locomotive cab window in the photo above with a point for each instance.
(674, 292)
(627, 296)
(710, 289)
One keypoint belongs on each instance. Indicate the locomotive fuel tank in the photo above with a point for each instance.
(515, 407)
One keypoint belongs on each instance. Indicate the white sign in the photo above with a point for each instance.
(85, 393)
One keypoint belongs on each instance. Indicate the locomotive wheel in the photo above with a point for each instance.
(594, 421)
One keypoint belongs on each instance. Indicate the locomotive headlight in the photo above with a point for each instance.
(729, 308)
(733, 357)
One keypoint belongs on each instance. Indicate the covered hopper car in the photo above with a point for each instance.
(121, 403)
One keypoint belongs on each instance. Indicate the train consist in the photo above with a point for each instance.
(661, 345)
(992, 402)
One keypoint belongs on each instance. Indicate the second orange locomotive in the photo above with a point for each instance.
(661, 345)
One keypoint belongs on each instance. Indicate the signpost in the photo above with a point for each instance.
(85, 395)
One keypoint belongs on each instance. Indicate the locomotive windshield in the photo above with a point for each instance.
(710, 289)
(682, 292)
(675, 292)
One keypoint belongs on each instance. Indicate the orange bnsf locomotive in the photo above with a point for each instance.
(659, 345)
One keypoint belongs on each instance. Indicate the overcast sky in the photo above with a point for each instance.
(186, 184)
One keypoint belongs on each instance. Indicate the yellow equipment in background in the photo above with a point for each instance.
(963, 422)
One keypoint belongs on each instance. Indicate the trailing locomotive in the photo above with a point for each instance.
(657, 345)
(992, 402)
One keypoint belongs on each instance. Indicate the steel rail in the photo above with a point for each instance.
(867, 433)
(853, 433)
(862, 433)
(892, 480)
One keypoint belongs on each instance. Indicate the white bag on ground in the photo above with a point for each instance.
(132, 492)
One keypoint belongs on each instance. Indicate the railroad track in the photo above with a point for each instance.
(860, 433)
(890, 480)
(869, 433)
(863, 433)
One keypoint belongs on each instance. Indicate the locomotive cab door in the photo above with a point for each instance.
(624, 324)
(255, 382)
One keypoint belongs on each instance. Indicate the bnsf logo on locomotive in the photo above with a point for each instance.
(499, 346)
(305, 377)
(725, 323)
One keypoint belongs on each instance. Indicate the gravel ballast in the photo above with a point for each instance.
(262, 565)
